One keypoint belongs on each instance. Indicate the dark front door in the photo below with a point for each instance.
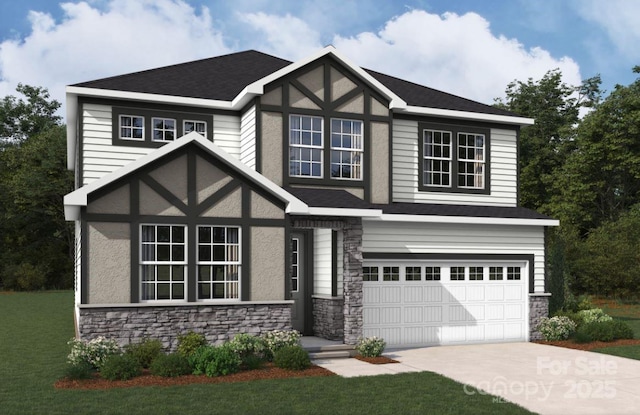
(298, 291)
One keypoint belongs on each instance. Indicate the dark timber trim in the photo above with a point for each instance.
(334, 263)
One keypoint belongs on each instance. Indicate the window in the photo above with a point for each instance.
(413, 273)
(305, 146)
(513, 273)
(346, 149)
(164, 129)
(163, 262)
(495, 273)
(476, 273)
(131, 127)
(432, 273)
(453, 158)
(391, 274)
(369, 273)
(199, 127)
(218, 262)
(295, 264)
(457, 274)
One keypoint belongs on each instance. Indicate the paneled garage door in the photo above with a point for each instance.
(438, 303)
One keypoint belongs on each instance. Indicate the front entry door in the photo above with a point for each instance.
(297, 281)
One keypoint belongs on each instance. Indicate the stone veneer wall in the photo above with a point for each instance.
(328, 320)
(352, 268)
(217, 322)
(538, 308)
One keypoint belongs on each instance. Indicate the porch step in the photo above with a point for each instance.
(336, 351)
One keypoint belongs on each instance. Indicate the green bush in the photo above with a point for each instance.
(94, 352)
(556, 328)
(120, 367)
(145, 352)
(24, 277)
(77, 371)
(594, 315)
(251, 350)
(201, 358)
(224, 362)
(371, 346)
(291, 358)
(604, 331)
(278, 339)
(574, 316)
(189, 343)
(170, 365)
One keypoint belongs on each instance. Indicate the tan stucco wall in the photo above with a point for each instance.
(116, 201)
(271, 146)
(378, 108)
(209, 179)
(261, 208)
(273, 97)
(173, 176)
(229, 207)
(267, 264)
(152, 203)
(340, 84)
(109, 263)
(379, 162)
(298, 100)
(314, 81)
(354, 105)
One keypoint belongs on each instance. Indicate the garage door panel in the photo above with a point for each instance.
(454, 334)
(370, 294)
(433, 294)
(458, 313)
(476, 312)
(475, 293)
(371, 316)
(433, 314)
(392, 295)
(513, 311)
(475, 333)
(413, 335)
(392, 335)
(413, 314)
(457, 294)
(495, 311)
(391, 315)
(513, 331)
(513, 293)
(413, 294)
(494, 332)
(495, 293)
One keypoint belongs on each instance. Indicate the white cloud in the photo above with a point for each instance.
(456, 54)
(89, 43)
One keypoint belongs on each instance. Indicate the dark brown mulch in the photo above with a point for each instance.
(267, 372)
(380, 360)
(570, 344)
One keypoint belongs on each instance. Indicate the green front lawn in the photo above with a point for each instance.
(33, 349)
(630, 314)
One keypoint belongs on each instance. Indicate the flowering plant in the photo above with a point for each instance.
(278, 339)
(556, 328)
(94, 352)
(594, 315)
(371, 346)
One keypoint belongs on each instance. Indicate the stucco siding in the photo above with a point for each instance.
(409, 237)
(116, 201)
(379, 162)
(267, 264)
(109, 263)
(262, 208)
(271, 147)
(503, 170)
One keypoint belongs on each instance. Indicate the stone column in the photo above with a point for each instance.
(538, 308)
(352, 280)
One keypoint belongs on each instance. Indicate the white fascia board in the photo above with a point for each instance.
(79, 197)
(476, 116)
(72, 129)
(142, 96)
(361, 213)
(471, 220)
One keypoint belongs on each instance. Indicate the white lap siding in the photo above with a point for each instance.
(322, 262)
(503, 170)
(443, 238)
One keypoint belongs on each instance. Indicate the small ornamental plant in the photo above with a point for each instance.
(93, 352)
(277, 339)
(594, 315)
(371, 346)
(556, 328)
(190, 342)
(292, 358)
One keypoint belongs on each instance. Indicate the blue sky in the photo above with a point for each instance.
(471, 48)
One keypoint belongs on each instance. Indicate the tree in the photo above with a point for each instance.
(35, 240)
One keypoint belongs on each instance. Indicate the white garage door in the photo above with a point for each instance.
(438, 303)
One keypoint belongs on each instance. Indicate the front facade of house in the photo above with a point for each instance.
(245, 193)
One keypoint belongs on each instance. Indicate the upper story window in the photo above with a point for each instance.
(346, 149)
(131, 127)
(199, 127)
(164, 129)
(305, 146)
(453, 158)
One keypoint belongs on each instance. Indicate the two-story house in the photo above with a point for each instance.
(246, 193)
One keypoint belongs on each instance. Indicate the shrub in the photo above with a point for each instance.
(225, 361)
(556, 328)
(371, 346)
(170, 365)
(189, 343)
(291, 358)
(593, 315)
(575, 316)
(77, 371)
(145, 352)
(251, 349)
(201, 358)
(604, 331)
(278, 339)
(120, 367)
(93, 352)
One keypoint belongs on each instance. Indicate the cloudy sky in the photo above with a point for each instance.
(471, 48)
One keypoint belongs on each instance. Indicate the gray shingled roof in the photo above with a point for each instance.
(224, 77)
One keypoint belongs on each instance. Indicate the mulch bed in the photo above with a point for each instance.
(269, 371)
(380, 360)
(570, 344)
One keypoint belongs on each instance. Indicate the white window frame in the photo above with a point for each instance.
(163, 130)
(296, 145)
(477, 163)
(355, 151)
(428, 156)
(195, 124)
(130, 127)
(231, 286)
(155, 263)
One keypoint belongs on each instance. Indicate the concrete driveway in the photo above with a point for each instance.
(543, 379)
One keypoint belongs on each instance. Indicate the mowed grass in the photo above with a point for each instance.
(630, 314)
(33, 349)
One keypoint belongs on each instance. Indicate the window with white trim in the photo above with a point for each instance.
(131, 127)
(163, 262)
(437, 158)
(218, 263)
(346, 149)
(470, 161)
(200, 127)
(305, 146)
(164, 129)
